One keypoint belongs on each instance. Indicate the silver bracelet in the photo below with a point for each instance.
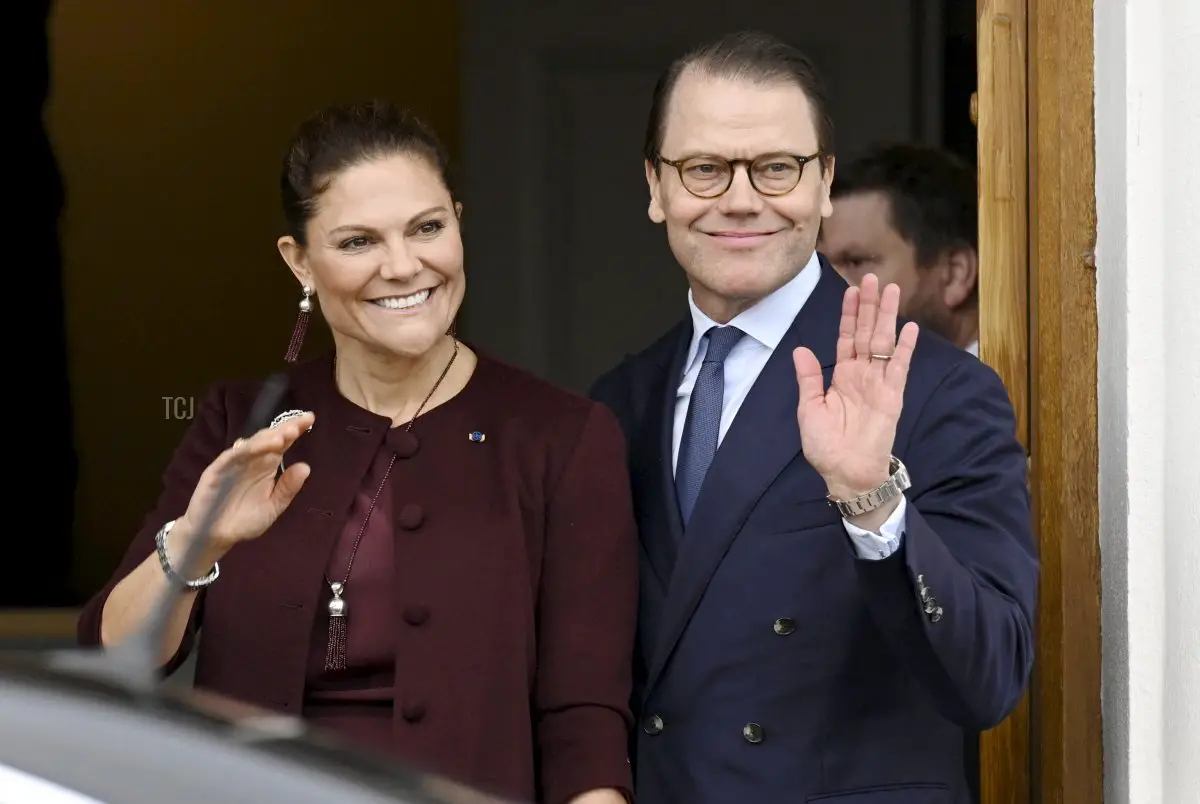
(160, 542)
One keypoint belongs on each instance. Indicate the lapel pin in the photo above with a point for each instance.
(477, 436)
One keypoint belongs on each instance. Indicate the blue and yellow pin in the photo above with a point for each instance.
(477, 436)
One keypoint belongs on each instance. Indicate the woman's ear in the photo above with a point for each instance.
(294, 255)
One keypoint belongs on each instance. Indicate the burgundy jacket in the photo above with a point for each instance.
(520, 550)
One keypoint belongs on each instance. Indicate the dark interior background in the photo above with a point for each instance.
(148, 143)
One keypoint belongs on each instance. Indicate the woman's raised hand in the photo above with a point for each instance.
(257, 498)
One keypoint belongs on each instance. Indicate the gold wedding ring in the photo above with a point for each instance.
(881, 357)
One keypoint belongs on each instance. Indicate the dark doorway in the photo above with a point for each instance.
(42, 449)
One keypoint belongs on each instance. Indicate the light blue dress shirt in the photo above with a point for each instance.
(765, 324)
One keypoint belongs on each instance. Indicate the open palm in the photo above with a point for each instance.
(259, 494)
(847, 431)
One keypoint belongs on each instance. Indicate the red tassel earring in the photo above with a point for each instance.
(293, 351)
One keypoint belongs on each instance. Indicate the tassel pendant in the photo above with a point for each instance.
(335, 652)
(293, 350)
(298, 332)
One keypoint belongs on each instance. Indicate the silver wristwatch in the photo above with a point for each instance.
(160, 543)
(892, 488)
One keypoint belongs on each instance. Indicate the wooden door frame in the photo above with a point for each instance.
(1037, 197)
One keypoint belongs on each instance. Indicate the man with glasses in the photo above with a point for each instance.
(838, 574)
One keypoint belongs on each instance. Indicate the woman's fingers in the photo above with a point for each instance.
(271, 441)
(289, 485)
(257, 457)
(294, 428)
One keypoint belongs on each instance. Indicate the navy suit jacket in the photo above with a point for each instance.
(775, 666)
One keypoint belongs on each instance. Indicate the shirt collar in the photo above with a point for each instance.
(768, 320)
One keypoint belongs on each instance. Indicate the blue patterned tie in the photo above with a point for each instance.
(701, 428)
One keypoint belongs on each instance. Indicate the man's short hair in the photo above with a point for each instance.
(748, 55)
(931, 192)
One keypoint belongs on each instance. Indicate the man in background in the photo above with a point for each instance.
(909, 215)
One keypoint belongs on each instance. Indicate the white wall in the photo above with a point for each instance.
(1148, 287)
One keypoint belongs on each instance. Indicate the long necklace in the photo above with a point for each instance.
(335, 651)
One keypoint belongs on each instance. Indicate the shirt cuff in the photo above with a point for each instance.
(878, 546)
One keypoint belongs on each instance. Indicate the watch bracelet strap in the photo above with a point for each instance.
(164, 561)
(889, 490)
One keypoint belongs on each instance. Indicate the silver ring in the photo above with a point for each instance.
(881, 357)
(286, 416)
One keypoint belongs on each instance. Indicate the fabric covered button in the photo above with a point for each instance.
(403, 443)
(411, 516)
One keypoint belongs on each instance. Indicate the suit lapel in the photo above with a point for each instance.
(761, 442)
(662, 526)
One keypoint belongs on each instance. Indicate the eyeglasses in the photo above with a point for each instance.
(712, 176)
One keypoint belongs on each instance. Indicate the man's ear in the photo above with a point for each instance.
(962, 276)
(294, 255)
(654, 182)
(827, 164)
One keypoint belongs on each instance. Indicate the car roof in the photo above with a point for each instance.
(118, 744)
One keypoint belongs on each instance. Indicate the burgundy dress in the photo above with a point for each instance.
(357, 703)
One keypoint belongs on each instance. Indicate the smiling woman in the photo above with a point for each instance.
(442, 567)
(373, 234)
